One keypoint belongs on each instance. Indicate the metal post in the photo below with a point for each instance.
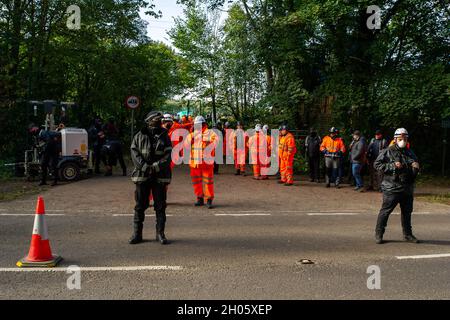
(444, 152)
(132, 124)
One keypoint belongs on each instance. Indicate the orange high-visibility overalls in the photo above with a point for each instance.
(287, 150)
(260, 151)
(202, 162)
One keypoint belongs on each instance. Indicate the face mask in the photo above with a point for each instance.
(401, 144)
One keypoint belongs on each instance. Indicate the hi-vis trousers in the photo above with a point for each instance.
(203, 181)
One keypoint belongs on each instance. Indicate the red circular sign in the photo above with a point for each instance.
(133, 102)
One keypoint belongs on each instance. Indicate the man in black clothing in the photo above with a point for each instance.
(151, 152)
(50, 155)
(377, 145)
(312, 146)
(400, 167)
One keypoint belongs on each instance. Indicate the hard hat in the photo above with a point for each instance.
(176, 118)
(154, 116)
(227, 124)
(334, 130)
(199, 120)
(167, 118)
(239, 124)
(284, 127)
(402, 132)
(266, 128)
(258, 127)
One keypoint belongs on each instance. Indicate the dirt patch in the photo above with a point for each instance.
(16, 188)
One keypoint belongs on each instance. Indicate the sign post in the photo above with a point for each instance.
(132, 103)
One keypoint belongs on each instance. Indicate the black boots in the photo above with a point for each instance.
(137, 235)
(161, 237)
(200, 202)
(238, 172)
(209, 204)
(411, 238)
(379, 237)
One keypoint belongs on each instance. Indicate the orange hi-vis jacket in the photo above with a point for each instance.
(333, 147)
(287, 148)
(260, 151)
(240, 154)
(202, 148)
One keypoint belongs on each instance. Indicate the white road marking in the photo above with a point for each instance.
(333, 214)
(427, 256)
(241, 214)
(29, 215)
(96, 269)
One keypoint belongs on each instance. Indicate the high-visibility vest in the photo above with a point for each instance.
(202, 148)
(332, 146)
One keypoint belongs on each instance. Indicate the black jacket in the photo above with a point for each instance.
(151, 152)
(397, 180)
(375, 147)
(312, 145)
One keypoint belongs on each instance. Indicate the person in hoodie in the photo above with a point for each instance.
(358, 158)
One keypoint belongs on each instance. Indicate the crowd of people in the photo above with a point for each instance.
(153, 157)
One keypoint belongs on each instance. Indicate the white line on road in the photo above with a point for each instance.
(96, 269)
(242, 214)
(427, 256)
(333, 214)
(29, 215)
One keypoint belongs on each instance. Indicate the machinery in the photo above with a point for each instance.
(75, 157)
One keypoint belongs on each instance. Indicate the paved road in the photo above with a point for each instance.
(247, 248)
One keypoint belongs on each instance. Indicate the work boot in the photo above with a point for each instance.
(43, 183)
(379, 237)
(54, 183)
(200, 202)
(328, 185)
(411, 238)
(288, 184)
(161, 237)
(281, 182)
(338, 186)
(238, 173)
(136, 238)
(209, 204)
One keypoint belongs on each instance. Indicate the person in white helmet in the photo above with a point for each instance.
(202, 143)
(400, 168)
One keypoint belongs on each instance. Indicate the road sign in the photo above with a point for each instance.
(133, 102)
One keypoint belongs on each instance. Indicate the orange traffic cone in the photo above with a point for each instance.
(40, 254)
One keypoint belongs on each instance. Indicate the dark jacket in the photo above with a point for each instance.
(358, 151)
(151, 152)
(397, 180)
(312, 145)
(375, 147)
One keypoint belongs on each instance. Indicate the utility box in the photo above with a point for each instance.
(74, 142)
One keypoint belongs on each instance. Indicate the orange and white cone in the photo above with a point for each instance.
(40, 254)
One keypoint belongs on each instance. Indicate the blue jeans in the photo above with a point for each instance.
(356, 167)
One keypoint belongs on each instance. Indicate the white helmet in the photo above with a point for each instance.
(167, 118)
(199, 120)
(258, 127)
(266, 128)
(402, 132)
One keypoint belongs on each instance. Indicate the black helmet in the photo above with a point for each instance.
(284, 127)
(154, 118)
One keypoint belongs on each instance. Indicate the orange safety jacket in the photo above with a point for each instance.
(287, 148)
(260, 151)
(202, 148)
(332, 147)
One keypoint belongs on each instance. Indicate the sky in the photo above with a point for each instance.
(158, 28)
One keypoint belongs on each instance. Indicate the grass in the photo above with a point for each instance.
(14, 188)
(436, 198)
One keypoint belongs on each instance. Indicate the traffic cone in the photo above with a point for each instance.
(40, 254)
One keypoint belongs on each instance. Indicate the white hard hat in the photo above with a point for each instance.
(401, 132)
(199, 120)
(266, 128)
(168, 118)
(258, 127)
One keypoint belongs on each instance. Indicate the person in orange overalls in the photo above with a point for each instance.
(260, 146)
(287, 151)
(202, 143)
(240, 152)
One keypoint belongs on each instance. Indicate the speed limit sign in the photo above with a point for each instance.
(133, 102)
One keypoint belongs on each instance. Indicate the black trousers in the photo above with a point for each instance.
(49, 160)
(390, 202)
(142, 195)
(314, 167)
